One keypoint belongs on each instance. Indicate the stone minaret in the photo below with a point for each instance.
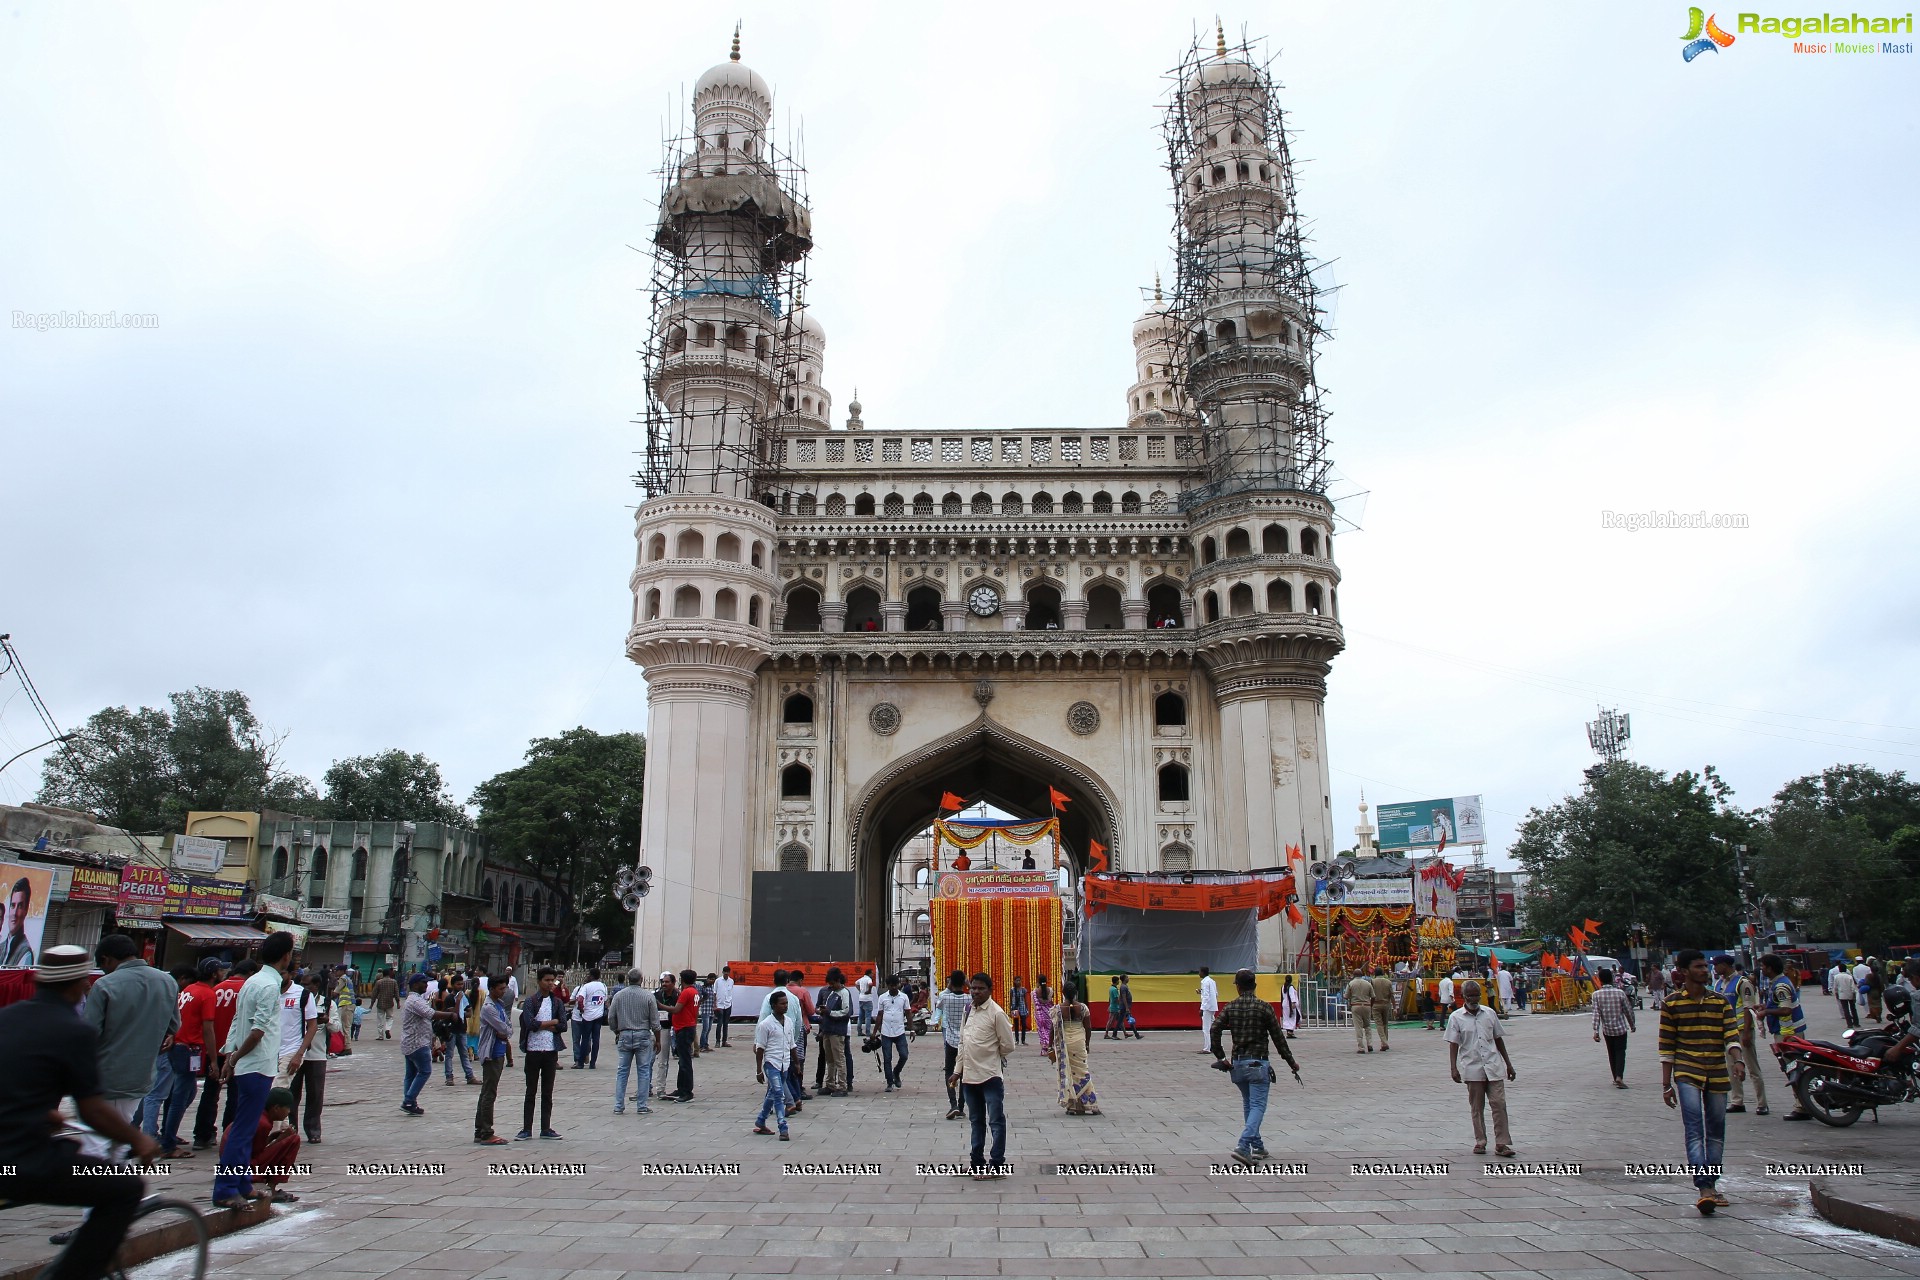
(729, 351)
(1260, 522)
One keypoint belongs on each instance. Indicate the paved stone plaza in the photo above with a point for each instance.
(1162, 1106)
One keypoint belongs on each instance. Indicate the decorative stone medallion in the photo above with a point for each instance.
(1083, 718)
(884, 718)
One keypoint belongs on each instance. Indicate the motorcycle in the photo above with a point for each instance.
(1835, 1083)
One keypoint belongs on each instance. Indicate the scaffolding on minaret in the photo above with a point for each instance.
(1244, 291)
(726, 305)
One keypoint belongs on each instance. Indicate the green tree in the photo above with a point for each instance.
(146, 770)
(1636, 846)
(393, 785)
(1841, 851)
(570, 816)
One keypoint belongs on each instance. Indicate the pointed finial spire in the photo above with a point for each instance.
(735, 55)
(1156, 287)
(1219, 37)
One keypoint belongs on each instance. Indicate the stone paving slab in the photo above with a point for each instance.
(621, 1217)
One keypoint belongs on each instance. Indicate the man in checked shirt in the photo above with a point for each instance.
(1253, 1024)
(953, 1004)
(1612, 1020)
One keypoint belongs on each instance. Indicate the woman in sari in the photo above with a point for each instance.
(1072, 1026)
(1289, 1007)
(1043, 1014)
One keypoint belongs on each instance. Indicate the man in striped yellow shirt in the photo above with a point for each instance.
(1698, 1035)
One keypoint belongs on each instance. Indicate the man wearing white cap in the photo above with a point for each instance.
(52, 1055)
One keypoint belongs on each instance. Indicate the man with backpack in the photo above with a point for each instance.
(836, 1010)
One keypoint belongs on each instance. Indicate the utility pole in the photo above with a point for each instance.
(1750, 940)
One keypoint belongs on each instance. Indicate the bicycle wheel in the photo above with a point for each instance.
(182, 1213)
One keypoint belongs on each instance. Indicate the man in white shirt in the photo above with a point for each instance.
(1476, 1055)
(863, 992)
(890, 1011)
(1846, 991)
(1446, 995)
(1504, 978)
(773, 1053)
(590, 1003)
(1209, 1008)
(722, 1006)
(299, 1016)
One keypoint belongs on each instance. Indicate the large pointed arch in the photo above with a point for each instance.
(983, 761)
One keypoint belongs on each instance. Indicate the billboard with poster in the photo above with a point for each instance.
(1432, 824)
(27, 888)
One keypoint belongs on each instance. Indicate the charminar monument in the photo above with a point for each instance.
(838, 624)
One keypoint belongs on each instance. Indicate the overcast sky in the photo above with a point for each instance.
(373, 465)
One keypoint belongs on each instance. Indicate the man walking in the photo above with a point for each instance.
(707, 1007)
(1209, 1007)
(773, 1051)
(1476, 1054)
(590, 1008)
(634, 1016)
(1359, 997)
(135, 1010)
(890, 1012)
(1744, 995)
(1697, 1036)
(1383, 1005)
(495, 1054)
(1780, 1001)
(450, 1027)
(666, 996)
(986, 1041)
(543, 1022)
(1612, 1020)
(952, 1006)
(252, 1055)
(1253, 1025)
(722, 1005)
(864, 992)
(1846, 991)
(386, 998)
(416, 1044)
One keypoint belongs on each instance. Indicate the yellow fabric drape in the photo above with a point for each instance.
(1008, 937)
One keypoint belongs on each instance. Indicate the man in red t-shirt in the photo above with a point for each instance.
(215, 1023)
(686, 1014)
(187, 1053)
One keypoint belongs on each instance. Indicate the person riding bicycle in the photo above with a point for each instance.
(52, 1055)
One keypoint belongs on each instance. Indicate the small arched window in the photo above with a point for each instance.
(1209, 550)
(1103, 503)
(1224, 331)
(691, 545)
(1169, 710)
(836, 506)
(676, 339)
(359, 864)
(1313, 597)
(686, 602)
(763, 348)
(951, 505)
(727, 547)
(519, 902)
(1043, 609)
(1239, 543)
(803, 610)
(793, 857)
(1309, 542)
(1043, 503)
(1130, 503)
(1010, 505)
(923, 610)
(1212, 601)
(736, 338)
(895, 505)
(1163, 606)
(1176, 858)
(318, 868)
(1173, 784)
(1072, 504)
(1273, 540)
(804, 505)
(797, 709)
(726, 605)
(759, 553)
(653, 604)
(1103, 609)
(796, 782)
(923, 504)
(1279, 596)
(280, 863)
(863, 609)
(753, 611)
(657, 547)
(863, 505)
(982, 504)
(703, 335)
(1240, 600)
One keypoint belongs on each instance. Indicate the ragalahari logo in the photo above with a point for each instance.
(1713, 40)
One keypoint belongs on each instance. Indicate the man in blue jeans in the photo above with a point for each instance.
(634, 1015)
(1698, 1034)
(416, 1044)
(1253, 1025)
(986, 1042)
(253, 1055)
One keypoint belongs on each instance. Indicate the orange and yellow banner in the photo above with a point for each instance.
(1007, 937)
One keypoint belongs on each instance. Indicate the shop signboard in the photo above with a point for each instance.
(143, 896)
(299, 932)
(267, 904)
(1384, 891)
(29, 887)
(205, 898)
(95, 884)
(198, 853)
(326, 919)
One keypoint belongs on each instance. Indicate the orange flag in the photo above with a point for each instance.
(951, 803)
(1592, 926)
(1096, 856)
(1060, 801)
(1578, 935)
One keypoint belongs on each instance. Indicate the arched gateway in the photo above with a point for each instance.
(840, 624)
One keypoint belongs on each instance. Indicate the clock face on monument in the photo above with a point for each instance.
(984, 601)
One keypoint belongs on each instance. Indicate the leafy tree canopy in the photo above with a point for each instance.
(1841, 851)
(570, 816)
(1637, 846)
(393, 785)
(146, 770)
